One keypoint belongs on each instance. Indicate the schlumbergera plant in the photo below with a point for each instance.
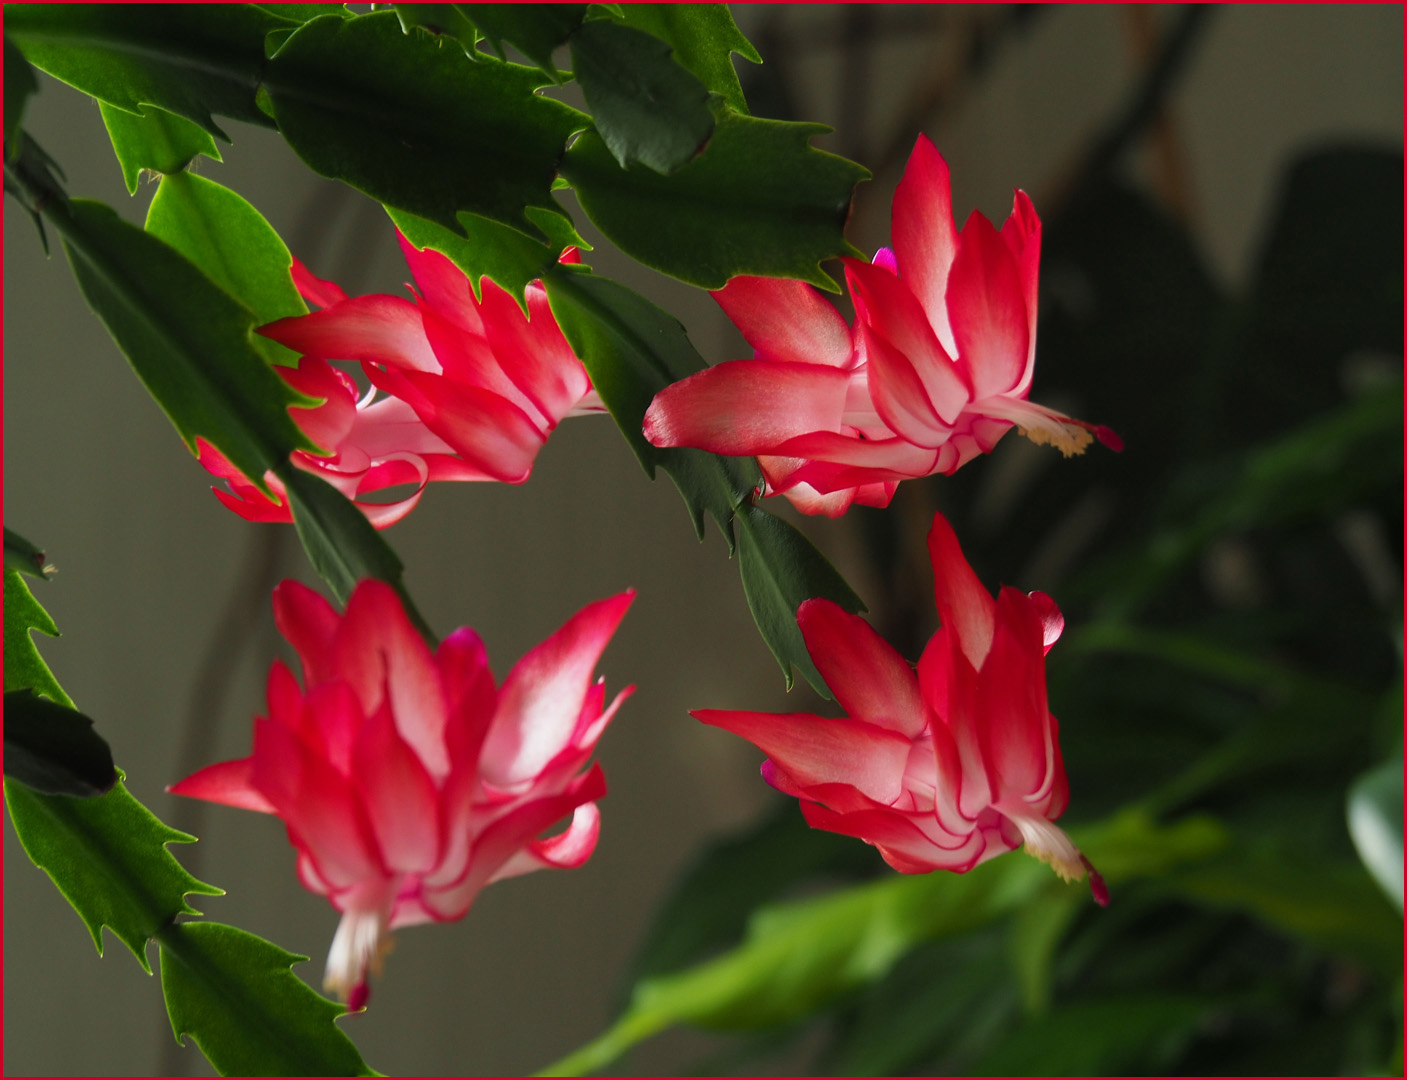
(407, 776)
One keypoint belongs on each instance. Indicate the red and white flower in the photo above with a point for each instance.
(935, 371)
(462, 388)
(940, 768)
(406, 779)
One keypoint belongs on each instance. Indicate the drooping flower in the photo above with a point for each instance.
(461, 388)
(936, 369)
(407, 781)
(942, 768)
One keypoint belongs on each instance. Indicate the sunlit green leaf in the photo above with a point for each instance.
(416, 125)
(19, 84)
(645, 105)
(24, 667)
(219, 231)
(188, 340)
(800, 955)
(1036, 933)
(155, 139)
(441, 19)
(194, 60)
(704, 37)
(108, 858)
(1375, 822)
(235, 995)
(54, 749)
(759, 200)
(535, 30)
(780, 569)
(301, 13)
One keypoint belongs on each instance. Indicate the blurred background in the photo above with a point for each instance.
(1221, 283)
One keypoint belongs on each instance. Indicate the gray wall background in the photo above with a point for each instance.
(147, 558)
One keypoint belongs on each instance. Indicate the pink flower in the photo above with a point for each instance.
(942, 768)
(406, 780)
(936, 370)
(472, 388)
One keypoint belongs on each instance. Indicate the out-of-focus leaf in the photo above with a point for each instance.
(416, 126)
(704, 37)
(1036, 933)
(646, 106)
(492, 250)
(54, 749)
(759, 200)
(155, 139)
(798, 956)
(219, 231)
(235, 995)
(1333, 905)
(1099, 1038)
(189, 341)
(108, 857)
(632, 350)
(194, 60)
(25, 557)
(24, 667)
(780, 570)
(19, 84)
(710, 903)
(1375, 823)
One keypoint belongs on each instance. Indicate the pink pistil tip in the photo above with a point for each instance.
(1109, 438)
(1097, 888)
(361, 994)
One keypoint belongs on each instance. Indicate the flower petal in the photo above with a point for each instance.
(308, 623)
(541, 699)
(925, 234)
(787, 321)
(987, 306)
(964, 604)
(399, 796)
(816, 750)
(314, 289)
(374, 329)
(900, 838)
(227, 782)
(1022, 234)
(870, 680)
(565, 851)
(747, 406)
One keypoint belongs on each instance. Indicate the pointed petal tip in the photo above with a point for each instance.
(1109, 438)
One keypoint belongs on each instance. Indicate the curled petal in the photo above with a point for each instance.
(314, 289)
(565, 851)
(901, 838)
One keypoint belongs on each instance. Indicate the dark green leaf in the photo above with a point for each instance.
(441, 19)
(1036, 933)
(19, 84)
(780, 569)
(54, 749)
(535, 30)
(1375, 822)
(632, 350)
(23, 556)
(492, 250)
(24, 667)
(417, 126)
(236, 995)
(194, 60)
(704, 37)
(800, 955)
(227, 238)
(645, 105)
(188, 340)
(301, 13)
(108, 858)
(759, 200)
(156, 140)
